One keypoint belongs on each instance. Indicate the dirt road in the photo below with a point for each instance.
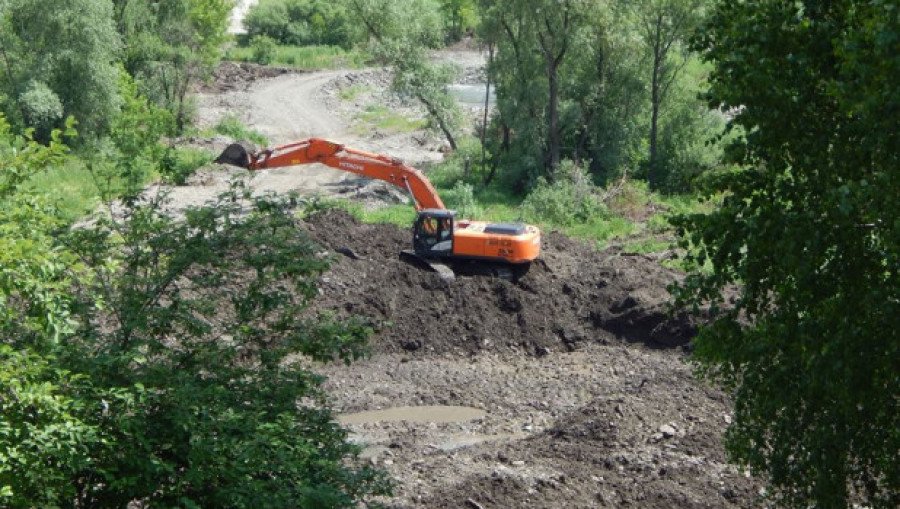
(294, 106)
(283, 108)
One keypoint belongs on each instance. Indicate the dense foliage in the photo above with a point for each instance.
(810, 229)
(58, 59)
(149, 358)
(593, 82)
(170, 45)
(302, 22)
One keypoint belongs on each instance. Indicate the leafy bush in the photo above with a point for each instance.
(200, 326)
(306, 57)
(144, 358)
(461, 165)
(43, 444)
(264, 49)
(462, 198)
(302, 22)
(180, 163)
(41, 107)
(570, 199)
(182, 388)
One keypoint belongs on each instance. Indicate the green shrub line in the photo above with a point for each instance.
(264, 50)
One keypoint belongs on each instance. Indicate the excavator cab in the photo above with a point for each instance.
(433, 233)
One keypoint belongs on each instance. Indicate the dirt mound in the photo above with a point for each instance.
(571, 295)
(230, 76)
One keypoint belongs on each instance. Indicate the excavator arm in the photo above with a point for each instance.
(338, 156)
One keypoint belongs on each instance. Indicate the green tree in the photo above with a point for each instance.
(400, 38)
(809, 229)
(171, 45)
(460, 16)
(44, 444)
(58, 59)
(303, 22)
(664, 27)
(561, 93)
(179, 378)
(201, 327)
(418, 22)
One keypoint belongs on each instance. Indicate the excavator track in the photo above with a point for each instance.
(443, 270)
(449, 270)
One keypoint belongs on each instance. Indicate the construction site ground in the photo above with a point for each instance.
(570, 387)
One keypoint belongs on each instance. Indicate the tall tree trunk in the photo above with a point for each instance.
(487, 103)
(442, 123)
(554, 43)
(653, 162)
(653, 171)
(554, 138)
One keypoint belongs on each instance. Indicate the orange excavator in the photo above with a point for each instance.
(437, 233)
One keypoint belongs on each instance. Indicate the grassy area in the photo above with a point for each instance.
(184, 162)
(647, 246)
(305, 57)
(352, 92)
(376, 116)
(73, 189)
(70, 187)
(231, 126)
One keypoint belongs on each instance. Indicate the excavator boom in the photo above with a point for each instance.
(336, 155)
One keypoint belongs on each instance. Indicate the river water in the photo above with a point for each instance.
(236, 25)
(471, 95)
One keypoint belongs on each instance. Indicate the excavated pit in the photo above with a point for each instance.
(571, 295)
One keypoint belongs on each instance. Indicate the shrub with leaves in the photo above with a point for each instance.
(264, 49)
(302, 22)
(41, 107)
(204, 325)
(180, 375)
(44, 445)
(572, 198)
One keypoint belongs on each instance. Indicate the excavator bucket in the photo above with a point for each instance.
(235, 154)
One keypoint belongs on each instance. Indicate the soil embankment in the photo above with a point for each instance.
(570, 385)
(571, 295)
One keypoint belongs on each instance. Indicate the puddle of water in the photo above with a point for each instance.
(415, 414)
(470, 95)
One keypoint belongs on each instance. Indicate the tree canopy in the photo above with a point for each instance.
(58, 58)
(810, 230)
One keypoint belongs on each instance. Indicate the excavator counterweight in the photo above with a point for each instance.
(437, 233)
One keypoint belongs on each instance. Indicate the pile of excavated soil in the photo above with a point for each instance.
(230, 76)
(572, 294)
